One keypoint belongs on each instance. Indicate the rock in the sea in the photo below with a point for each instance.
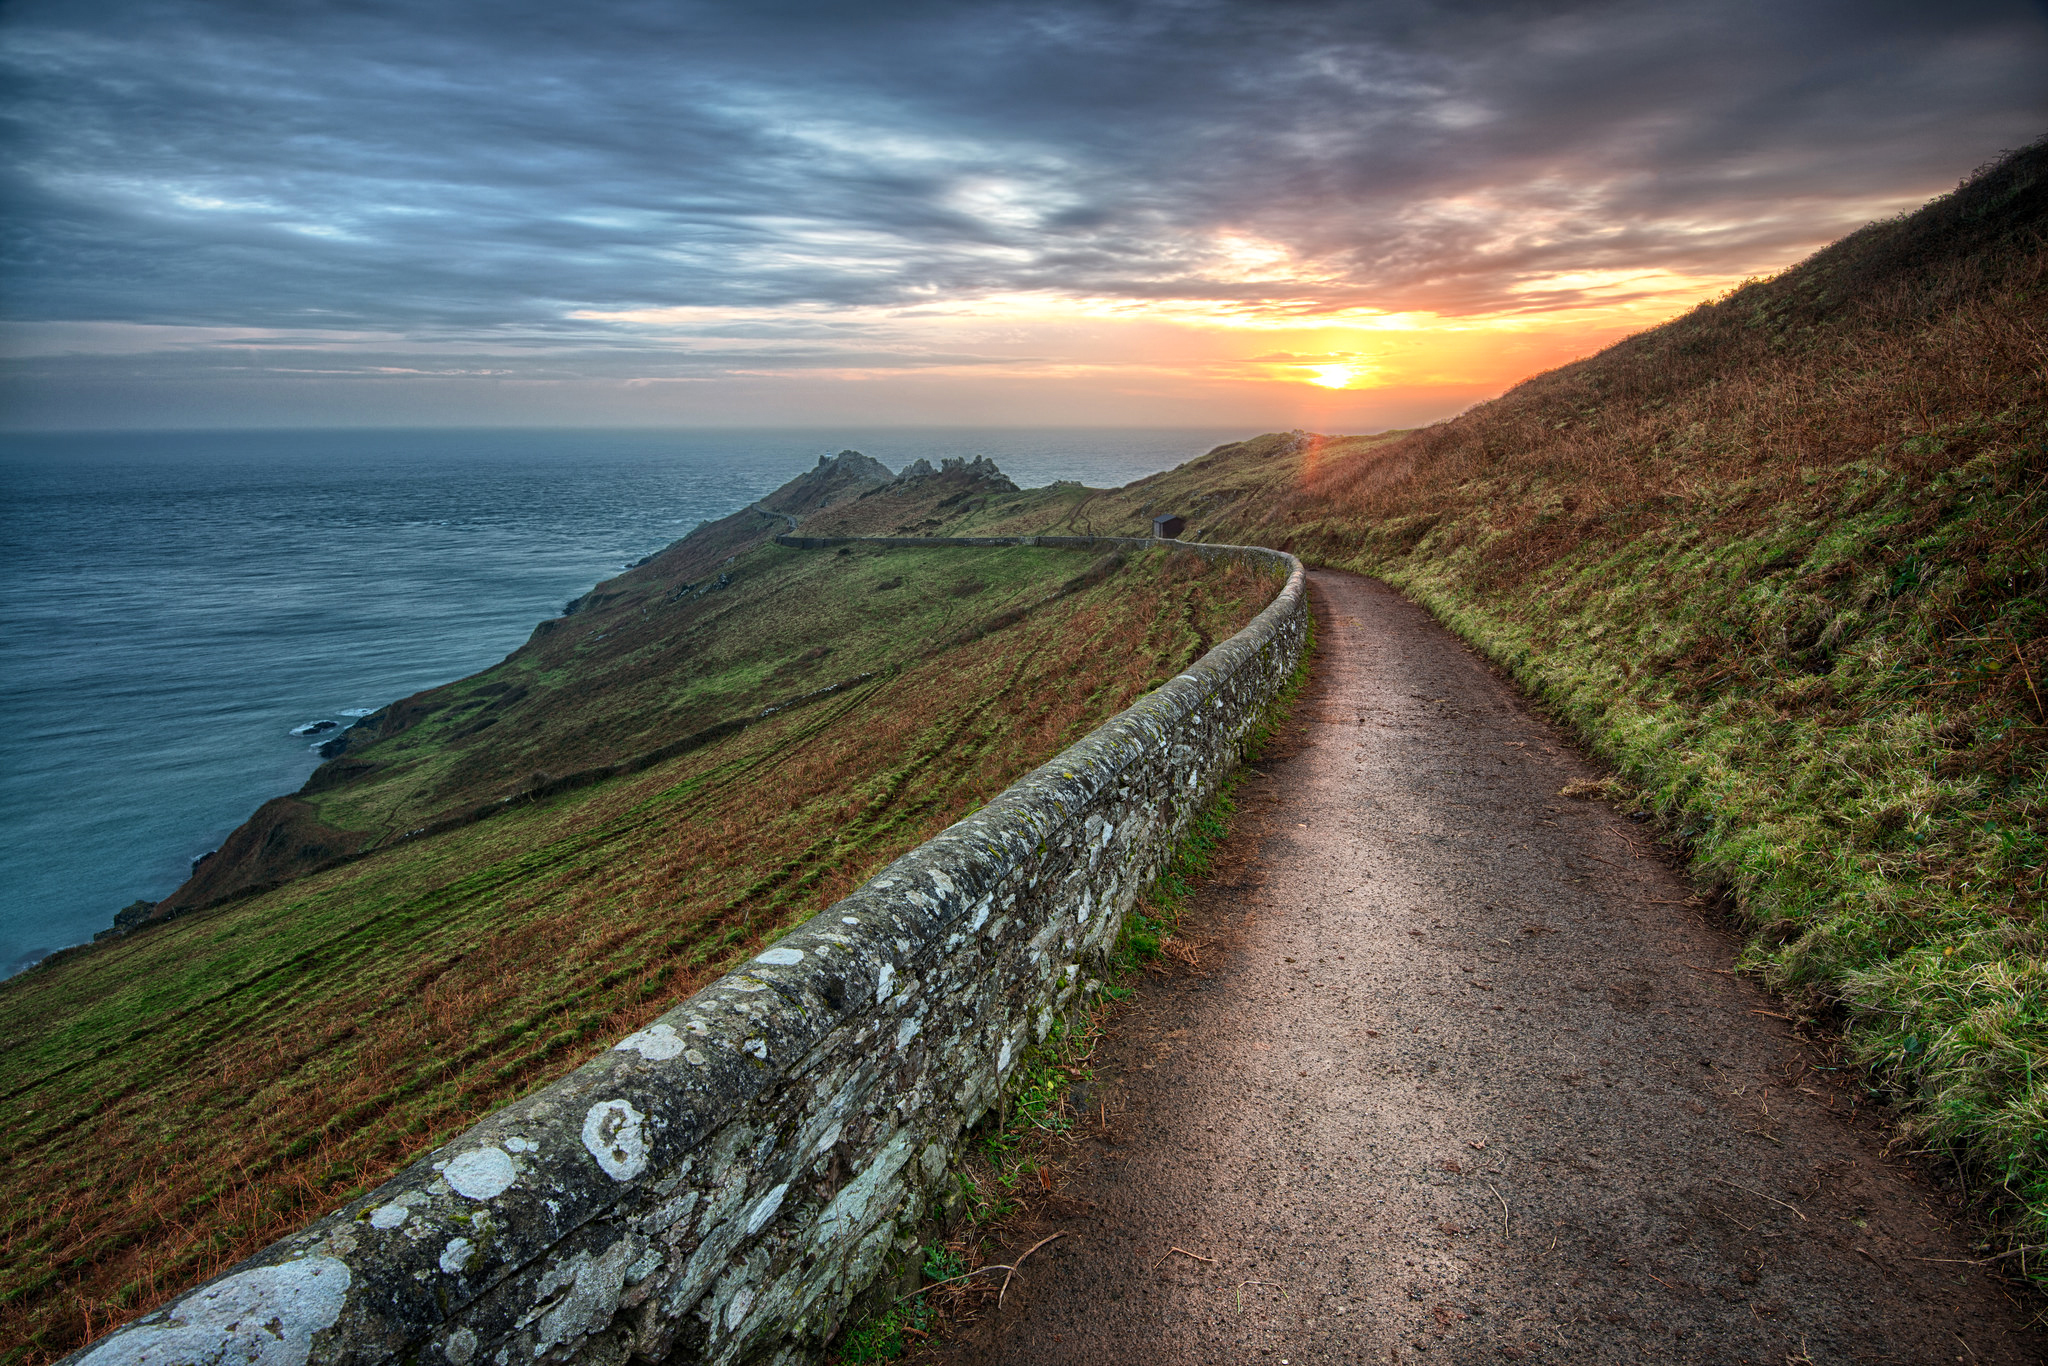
(364, 731)
(316, 727)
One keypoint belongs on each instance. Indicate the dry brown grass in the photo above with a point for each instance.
(1663, 425)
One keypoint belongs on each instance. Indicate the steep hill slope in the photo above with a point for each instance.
(180, 1096)
(1784, 561)
(641, 662)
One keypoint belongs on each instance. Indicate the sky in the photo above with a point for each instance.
(1341, 216)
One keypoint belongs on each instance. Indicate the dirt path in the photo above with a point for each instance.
(1467, 1081)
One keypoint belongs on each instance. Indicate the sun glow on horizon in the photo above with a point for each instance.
(1275, 360)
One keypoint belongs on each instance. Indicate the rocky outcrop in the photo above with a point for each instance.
(366, 731)
(834, 480)
(980, 470)
(128, 918)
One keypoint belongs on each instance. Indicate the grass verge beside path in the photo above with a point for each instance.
(1887, 854)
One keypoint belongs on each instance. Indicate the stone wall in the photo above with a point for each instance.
(719, 1186)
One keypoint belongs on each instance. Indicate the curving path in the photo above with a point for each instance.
(1465, 1078)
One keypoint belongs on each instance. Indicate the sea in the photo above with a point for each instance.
(177, 609)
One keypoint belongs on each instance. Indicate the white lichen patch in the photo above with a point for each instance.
(757, 1047)
(521, 1145)
(781, 957)
(460, 1349)
(593, 1285)
(883, 981)
(656, 1043)
(614, 1134)
(456, 1257)
(266, 1316)
(388, 1216)
(480, 1174)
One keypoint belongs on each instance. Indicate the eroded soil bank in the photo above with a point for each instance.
(1464, 1076)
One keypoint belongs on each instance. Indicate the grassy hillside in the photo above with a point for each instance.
(1784, 561)
(639, 665)
(179, 1097)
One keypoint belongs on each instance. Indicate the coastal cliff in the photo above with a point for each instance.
(604, 684)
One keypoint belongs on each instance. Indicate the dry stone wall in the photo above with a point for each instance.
(719, 1186)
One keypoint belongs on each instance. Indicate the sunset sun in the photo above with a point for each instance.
(1333, 376)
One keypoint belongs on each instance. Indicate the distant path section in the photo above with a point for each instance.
(1464, 1076)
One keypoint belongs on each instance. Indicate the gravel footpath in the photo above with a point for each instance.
(1463, 1076)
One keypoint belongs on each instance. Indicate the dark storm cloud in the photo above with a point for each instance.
(490, 170)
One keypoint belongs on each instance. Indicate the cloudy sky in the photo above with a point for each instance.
(1338, 215)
